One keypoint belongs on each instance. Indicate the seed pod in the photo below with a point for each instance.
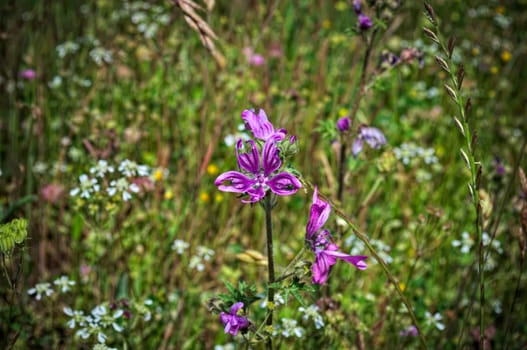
(431, 35)
(442, 63)
(460, 126)
(460, 75)
(451, 92)
(451, 45)
(430, 13)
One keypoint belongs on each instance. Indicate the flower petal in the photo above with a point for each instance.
(284, 184)
(318, 215)
(373, 136)
(258, 124)
(356, 147)
(239, 182)
(357, 260)
(235, 307)
(248, 161)
(321, 267)
(270, 159)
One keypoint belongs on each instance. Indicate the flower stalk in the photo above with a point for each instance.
(268, 206)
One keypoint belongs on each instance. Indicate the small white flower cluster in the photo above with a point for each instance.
(358, 248)
(202, 254)
(228, 346)
(63, 283)
(465, 243)
(289, 328)
(409, 151)
(67, 48)
(434, 320)
(100, 55)
(94, 324)
(312, 312)
(121, 185)
(278, 300)
(180, 246)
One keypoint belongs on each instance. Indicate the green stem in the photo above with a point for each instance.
(268, 206)
(381, 262)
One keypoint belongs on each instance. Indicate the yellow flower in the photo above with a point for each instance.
(341, 6)
(218, 197)
(402, 286)
(158, 174)
(343, 112)
(492, 94)
(212, 169)
(494, 70)
(500, 10)
(506, 56)
(326, 24)
(475, 51)
(168, 194)
(204, 197)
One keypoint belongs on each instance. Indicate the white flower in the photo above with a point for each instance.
(56, 82)
(465, 243)
(86, 187)
(101, 168)
(434, 320)
(129, 168)
(228, 346)
(495, 243)
(204, 253)
(122, 186)
(102, 346)
(100, 55)
(289, 328)
(40, 167)
(64, 283)
(77, 317)
(41, 289)
(311, 312)
(180, 246)
(196, 263)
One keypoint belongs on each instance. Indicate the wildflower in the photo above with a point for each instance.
(465, 243)
(41, 289)
(180, 246)
(51, 192)
(260, 126)
(77, 317)
(326, 251)
(364, 22)
(101, 316)
(499, 169)
(234, 323)
(254, 59)
(290, 328)
(212, 169)
(312, 312)
(102, 346)
(129, 168)
(204, 253)
(101, 168)
(28, 74)
(506, 56)
(196, 262)
(434, 320)
(64, 283)
(228, 346)
(122, 185)
(485, 237)
(410, 331)
(343, 124)
(357, 6)
(87, 186)
(261, 174)
(204, 197)
(373, 136)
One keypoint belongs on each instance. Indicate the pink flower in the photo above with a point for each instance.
(254, 59)
(51, 192)
(28, 74)
(260, 126)
(326, 251)
(233, 323)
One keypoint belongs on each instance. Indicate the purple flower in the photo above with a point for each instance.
(261, 174)
(343, 124)
(364, 22)
(260, 126)
(254, 59)
(410, 331)
(373, 137)
(326, 251)
(233, 323)
(356, 6)
(28, 74)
